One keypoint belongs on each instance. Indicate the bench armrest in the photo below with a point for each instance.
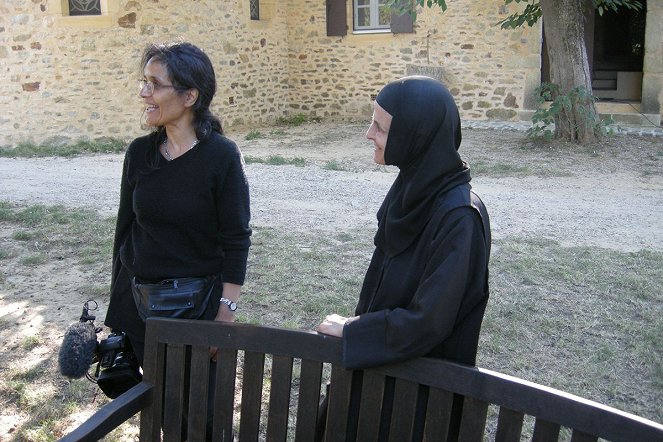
(111, 415)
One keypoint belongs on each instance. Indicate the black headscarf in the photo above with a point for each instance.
(423, 141)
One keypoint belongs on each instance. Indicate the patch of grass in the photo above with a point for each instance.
(30, 150)
(33, 260)
(82, 234)
(328, 276)
(253, 135)
(23, 235)
(29, 375)
(583, 319)
(485, 169)
(6, 213)
(30, 342)
(276, 160)
(277, 133)
(295, 120)
(334, 165)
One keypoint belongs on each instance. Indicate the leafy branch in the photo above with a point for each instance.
(543, 120)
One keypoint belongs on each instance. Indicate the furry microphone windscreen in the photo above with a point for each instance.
(77, 350)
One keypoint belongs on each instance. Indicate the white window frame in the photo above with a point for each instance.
(374, 11)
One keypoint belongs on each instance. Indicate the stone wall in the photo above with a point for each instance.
(486, 68)
(69, 78)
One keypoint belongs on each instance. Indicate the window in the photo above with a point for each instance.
(254, 7)
(371, 14)
(84, 7)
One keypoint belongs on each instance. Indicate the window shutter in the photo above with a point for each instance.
(337, 24)
(402, 24)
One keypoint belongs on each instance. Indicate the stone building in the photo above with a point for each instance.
(67, 77)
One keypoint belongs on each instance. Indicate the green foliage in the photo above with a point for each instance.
(613, 5)
(333, 165)
(31, 150)
(543, 120)
(253, 135)
(30, 342)
(405, 7)
(530, 15)
(276, 160)
(295, 120)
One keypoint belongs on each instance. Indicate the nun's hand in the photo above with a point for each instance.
(333, 325)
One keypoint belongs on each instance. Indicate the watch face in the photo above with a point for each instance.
(231, 305)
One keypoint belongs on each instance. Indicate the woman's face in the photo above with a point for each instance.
(378, 132)
(165, 105)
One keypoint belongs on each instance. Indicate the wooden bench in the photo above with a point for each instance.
(295, 366)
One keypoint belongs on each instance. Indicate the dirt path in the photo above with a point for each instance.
(608, 200)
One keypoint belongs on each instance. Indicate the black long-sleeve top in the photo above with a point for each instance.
(428, 300)
(187, 217)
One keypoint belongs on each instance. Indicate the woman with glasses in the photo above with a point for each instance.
(182, 235)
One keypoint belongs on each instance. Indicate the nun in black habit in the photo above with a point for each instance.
(426, 288)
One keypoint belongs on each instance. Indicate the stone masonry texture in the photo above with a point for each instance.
(66, 79)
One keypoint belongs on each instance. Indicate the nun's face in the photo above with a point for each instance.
(378, 132)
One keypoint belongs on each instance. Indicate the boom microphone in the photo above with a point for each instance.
(78, 350)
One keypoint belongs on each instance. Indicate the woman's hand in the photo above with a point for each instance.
(333, 325)
(230, 291)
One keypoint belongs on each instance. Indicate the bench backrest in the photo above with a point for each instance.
(270, 382)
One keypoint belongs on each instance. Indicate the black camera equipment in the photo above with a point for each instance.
(117, 367)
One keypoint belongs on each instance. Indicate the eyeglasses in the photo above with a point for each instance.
(151, 86)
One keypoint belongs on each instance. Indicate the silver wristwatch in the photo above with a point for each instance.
(231, 305)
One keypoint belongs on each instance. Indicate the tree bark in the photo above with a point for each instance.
(564, 27)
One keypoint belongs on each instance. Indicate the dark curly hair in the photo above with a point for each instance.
(189, 67)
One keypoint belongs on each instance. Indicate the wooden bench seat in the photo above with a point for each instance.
(270, 382)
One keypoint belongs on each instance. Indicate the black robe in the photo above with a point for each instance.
(430, 299)
(426, 288)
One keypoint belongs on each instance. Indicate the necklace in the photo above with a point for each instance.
(165, 148)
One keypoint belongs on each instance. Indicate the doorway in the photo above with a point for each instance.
(615, 44)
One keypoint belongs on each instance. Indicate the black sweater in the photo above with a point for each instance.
(187, 217)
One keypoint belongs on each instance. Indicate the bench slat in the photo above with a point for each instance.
(473, 422)
(509, 425)
(309, 400)
(150, 417)
(438, 414)
(403, 410)
(545, 431)
(279, 398)
(198, 383)
(579, 436)
(224, 395)
(339, 402)
(174, 393)
(372, 392)
(252, 376)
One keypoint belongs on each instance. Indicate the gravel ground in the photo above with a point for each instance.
(611, 200)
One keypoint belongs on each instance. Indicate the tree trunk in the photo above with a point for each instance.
(564, 26)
